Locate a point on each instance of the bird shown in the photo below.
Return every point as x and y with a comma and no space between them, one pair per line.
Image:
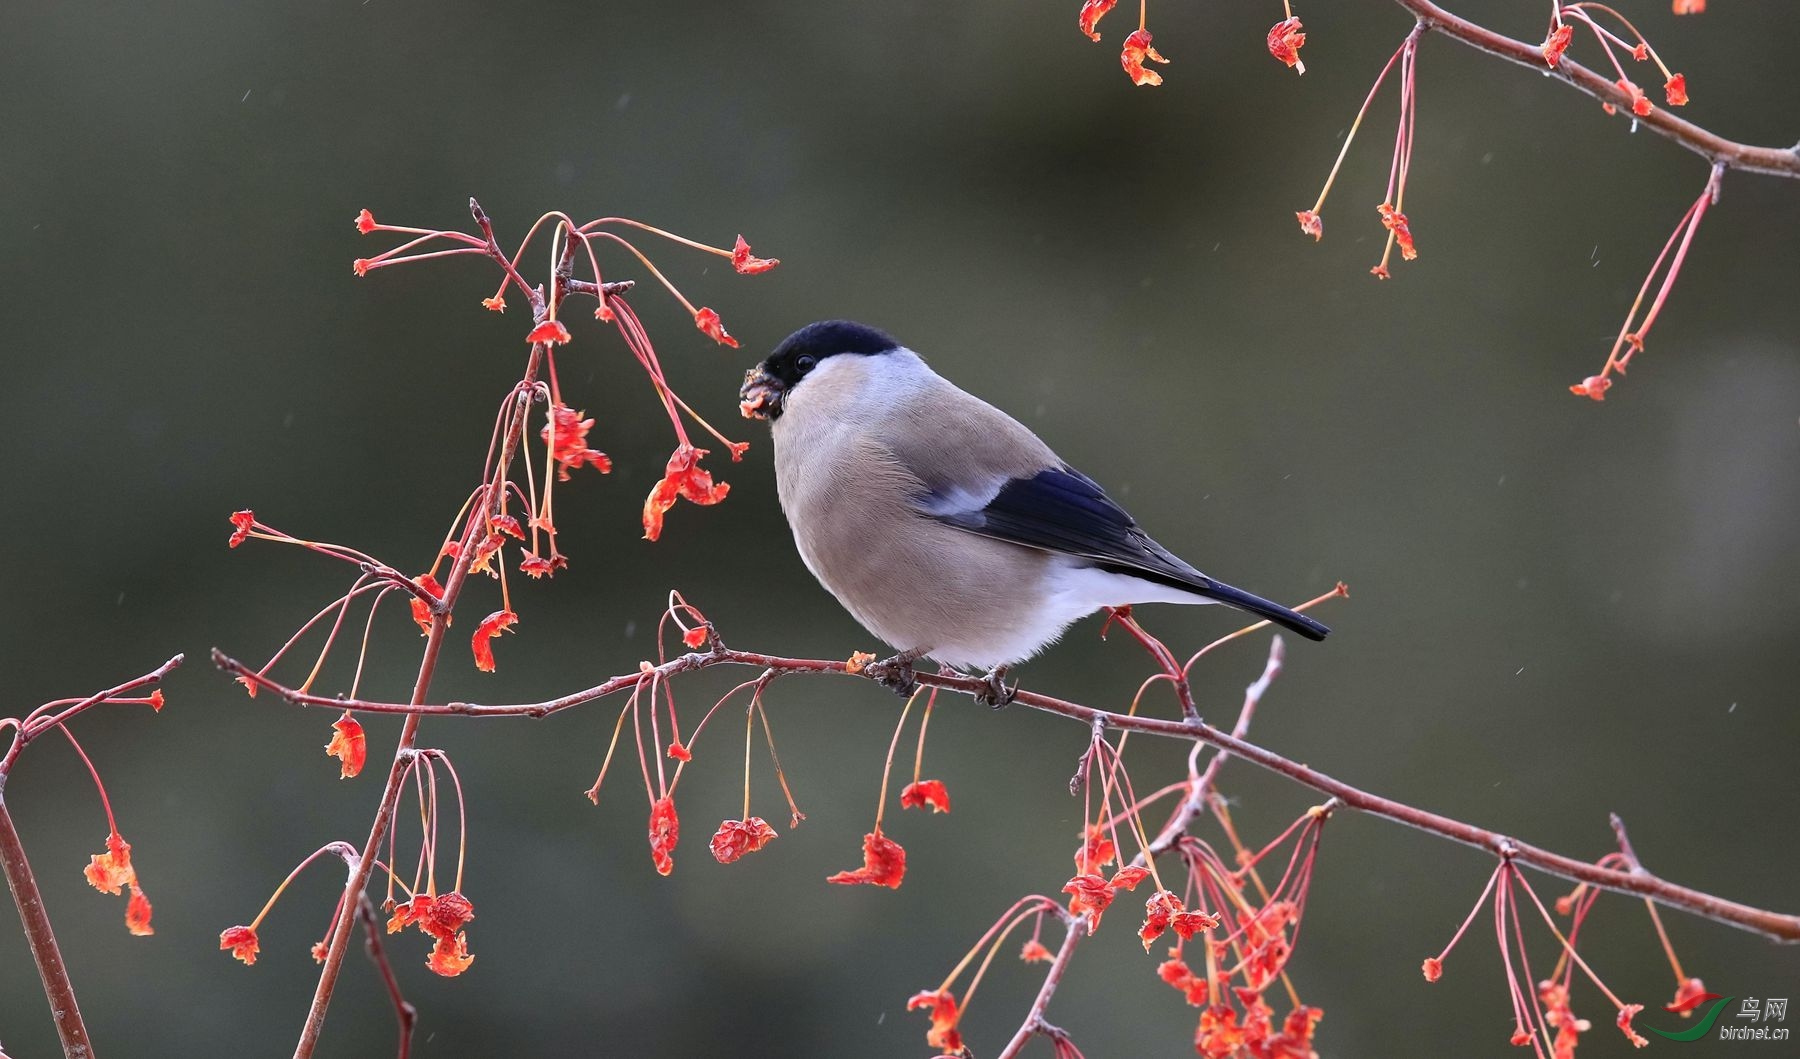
946,527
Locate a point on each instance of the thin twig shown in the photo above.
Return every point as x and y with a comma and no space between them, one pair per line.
1772,161
404,1013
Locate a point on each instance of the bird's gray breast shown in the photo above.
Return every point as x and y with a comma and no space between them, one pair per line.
912,580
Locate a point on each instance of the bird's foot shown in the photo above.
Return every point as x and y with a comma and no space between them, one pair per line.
896,674
997,692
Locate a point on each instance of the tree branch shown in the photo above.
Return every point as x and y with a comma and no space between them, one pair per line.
1200,785
57,987
19,878
1779,926
1771,161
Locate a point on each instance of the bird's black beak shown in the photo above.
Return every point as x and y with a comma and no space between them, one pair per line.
761,395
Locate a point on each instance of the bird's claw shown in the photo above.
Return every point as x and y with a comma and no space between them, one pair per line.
996,692
895,674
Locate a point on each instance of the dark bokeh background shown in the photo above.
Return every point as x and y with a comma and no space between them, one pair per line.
1560,608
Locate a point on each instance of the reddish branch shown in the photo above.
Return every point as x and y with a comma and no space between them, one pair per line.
404,1013
1200,787
1773,161
30,901
440,619
1775,925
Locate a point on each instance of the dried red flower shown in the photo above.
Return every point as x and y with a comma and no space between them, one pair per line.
566,434
1219,1035
550,331
1088,896
1640,104
420,612
444,916
1164,911
536,566
1557,43
923,793
1379,272
681,478
942,1035
482,642
111,872
1295,1039
1092,11
1688,996
495,304
1096,852
241,942
1285,40
137,913
695,637
406,913
1395,221
365,222
320,950
734,838
450,957
241,522
1689,7
748,264
361,266
348,745
1624,1023
1311,224
1594,386
1182,978
1158,910
1128,877
1554,996
884,864
1034,951
1137,49
1432,968
1675,90
680,753
712,327
665,832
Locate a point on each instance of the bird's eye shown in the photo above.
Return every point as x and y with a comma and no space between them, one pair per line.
806,363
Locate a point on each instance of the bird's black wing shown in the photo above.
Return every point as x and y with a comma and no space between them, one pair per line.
1062,510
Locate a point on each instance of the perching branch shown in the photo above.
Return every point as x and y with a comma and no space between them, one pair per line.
1779,926
1771,161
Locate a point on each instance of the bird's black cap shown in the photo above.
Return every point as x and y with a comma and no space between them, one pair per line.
826,338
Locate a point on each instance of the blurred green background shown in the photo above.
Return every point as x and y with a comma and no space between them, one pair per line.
1560,609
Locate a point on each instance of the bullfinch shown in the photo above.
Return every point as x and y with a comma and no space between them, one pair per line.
942,524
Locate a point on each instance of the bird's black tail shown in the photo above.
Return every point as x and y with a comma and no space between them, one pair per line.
1288,619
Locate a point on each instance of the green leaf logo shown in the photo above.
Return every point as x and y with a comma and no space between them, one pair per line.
1699,1029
